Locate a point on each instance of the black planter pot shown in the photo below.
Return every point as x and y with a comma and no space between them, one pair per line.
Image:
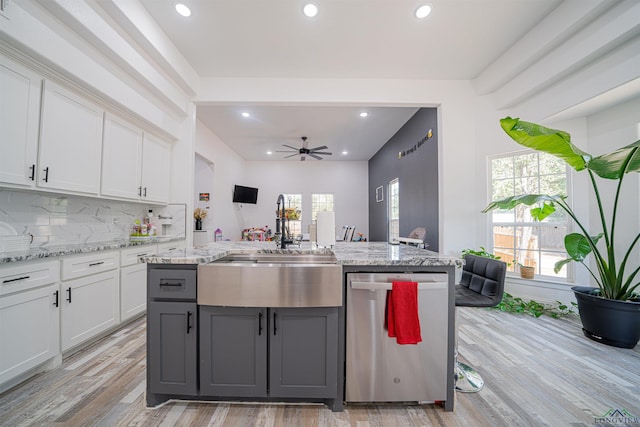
198,224
611,322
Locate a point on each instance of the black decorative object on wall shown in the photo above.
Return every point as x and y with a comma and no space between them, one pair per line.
415,146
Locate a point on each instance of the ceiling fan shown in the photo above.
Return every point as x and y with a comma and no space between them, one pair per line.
304,151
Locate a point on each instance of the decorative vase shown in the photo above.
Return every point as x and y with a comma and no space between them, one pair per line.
198,224
612,322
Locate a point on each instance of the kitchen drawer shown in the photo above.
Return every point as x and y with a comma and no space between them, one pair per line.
130,256
174,284
84,265
164,247
17,277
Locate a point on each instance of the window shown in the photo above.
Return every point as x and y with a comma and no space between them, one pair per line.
293,209
321,203
516,236
393,204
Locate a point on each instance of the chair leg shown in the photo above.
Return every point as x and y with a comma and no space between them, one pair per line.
467,379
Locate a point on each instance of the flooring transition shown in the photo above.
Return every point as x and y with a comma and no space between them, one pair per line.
537,372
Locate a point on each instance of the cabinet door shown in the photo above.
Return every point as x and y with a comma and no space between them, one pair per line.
172,348
133,291
29,330
156,169
70,142
19,121
233,351
303,352
90,305
121,159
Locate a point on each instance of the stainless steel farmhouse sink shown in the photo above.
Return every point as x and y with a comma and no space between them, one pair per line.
271,280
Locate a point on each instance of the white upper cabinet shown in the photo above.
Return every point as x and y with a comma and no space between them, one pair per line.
70,142
121,159
19,119
135,165
156,169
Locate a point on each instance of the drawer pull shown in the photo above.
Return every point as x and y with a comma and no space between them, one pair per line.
93,264
189,326
69,293
16,279
55,302
259,323
170,284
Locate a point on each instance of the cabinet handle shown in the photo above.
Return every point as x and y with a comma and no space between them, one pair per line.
140,191
145,191
170,284
259,323
46,174
189,321
33,172
16,279
93,264
55,301
69,294
275,316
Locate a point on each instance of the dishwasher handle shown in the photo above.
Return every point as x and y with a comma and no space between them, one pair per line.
387,286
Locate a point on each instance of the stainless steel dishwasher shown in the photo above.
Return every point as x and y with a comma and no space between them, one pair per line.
377,368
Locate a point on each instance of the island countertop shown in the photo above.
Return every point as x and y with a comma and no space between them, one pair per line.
354,253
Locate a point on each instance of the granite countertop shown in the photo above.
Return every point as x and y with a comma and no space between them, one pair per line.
354,253
82,248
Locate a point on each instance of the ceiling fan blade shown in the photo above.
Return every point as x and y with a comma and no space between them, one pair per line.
288,146
318,148
287,151
322,153
294,154
315,157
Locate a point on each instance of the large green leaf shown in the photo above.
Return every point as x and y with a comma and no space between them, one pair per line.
551,141
526,199
577,245
612,165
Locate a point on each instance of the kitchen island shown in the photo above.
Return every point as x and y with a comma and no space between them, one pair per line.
199,351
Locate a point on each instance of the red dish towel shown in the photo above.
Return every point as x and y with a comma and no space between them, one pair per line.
402,318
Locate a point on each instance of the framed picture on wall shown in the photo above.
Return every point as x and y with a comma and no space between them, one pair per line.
379,194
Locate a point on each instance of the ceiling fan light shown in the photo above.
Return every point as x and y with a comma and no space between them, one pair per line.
245,114
364,114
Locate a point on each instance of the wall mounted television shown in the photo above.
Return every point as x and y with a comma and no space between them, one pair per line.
242,194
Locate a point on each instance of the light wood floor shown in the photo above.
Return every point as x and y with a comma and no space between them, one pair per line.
538,372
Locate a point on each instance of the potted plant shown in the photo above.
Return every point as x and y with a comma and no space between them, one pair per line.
610,312
526,271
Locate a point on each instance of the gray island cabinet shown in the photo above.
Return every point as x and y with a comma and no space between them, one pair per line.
206,351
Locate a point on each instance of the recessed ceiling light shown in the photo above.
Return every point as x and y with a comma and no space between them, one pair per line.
345,152
423,11
310,10
183,10
269,152
364,114
245,114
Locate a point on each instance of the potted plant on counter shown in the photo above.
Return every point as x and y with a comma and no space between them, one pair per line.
610,312
199,214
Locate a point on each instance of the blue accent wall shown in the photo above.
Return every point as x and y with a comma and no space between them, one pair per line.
417,172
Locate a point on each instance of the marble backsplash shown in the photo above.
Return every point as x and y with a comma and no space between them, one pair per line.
55,219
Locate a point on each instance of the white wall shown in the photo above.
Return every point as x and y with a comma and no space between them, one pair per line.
228,169
348,181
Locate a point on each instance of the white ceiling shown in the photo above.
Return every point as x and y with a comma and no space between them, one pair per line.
347,39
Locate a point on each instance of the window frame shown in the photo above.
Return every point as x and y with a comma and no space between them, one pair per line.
511,270
390,199
314,204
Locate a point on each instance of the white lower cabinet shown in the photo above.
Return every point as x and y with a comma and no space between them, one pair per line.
29,317
133,291
90,305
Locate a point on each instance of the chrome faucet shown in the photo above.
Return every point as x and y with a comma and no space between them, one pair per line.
280,222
